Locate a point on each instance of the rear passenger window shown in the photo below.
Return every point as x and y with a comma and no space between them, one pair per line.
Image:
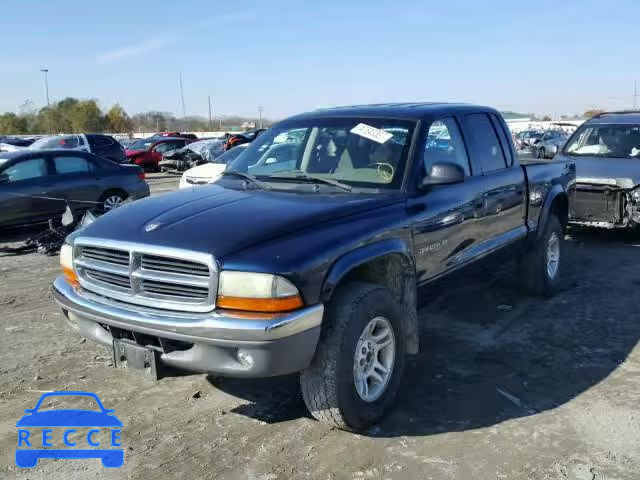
486,141
72,165
444,144
505,139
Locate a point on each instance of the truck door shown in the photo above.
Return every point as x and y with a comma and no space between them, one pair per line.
445,218
504,187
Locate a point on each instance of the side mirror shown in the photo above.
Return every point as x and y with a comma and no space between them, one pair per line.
271,160
445,173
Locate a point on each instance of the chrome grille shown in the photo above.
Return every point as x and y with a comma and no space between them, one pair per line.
170,289
172,265
106,255
157,277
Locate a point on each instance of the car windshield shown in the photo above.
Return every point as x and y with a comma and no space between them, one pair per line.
66,402
143,144
620,141
66,141
360,152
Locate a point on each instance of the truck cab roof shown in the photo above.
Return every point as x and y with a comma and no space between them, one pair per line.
409,110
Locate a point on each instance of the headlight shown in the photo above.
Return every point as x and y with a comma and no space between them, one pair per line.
66,262
256,292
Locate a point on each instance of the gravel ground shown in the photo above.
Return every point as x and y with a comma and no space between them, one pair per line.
506,387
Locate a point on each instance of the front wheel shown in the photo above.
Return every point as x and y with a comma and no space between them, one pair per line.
356,371
111,200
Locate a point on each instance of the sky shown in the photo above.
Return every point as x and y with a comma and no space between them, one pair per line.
289,56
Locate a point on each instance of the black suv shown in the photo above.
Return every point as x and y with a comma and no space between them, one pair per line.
107,147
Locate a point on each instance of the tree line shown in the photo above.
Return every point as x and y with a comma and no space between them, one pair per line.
73,115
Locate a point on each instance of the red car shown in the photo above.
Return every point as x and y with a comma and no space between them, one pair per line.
147,152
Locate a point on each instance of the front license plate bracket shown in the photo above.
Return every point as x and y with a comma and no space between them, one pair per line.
139,359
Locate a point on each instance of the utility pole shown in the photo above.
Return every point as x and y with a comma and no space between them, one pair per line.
260,116
635,94
210,124
184,111
46,86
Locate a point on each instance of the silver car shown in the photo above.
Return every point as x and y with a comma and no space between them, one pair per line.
550,143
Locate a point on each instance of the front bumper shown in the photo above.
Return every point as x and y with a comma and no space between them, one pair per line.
213,342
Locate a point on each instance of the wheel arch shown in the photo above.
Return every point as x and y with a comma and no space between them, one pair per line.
556,203
388,263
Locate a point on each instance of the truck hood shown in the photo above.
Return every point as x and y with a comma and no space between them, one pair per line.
619,172
218,220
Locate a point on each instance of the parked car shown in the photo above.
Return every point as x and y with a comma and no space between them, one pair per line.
606,151
242,138
549,144
211,171
192,155
147,152
314,267
13,144
35,185
527,138
101,145
190,136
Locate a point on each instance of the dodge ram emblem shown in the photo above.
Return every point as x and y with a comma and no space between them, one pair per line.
150,227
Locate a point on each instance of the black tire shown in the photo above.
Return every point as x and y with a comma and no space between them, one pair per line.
328,385
534,274
111,194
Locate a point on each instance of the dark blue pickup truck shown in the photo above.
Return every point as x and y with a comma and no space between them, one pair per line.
307,255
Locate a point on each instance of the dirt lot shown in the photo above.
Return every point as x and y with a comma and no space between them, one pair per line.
506,387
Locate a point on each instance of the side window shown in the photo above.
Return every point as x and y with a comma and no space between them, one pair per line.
445,144
72,165
102,141
486,141
27,169
507,143
165,147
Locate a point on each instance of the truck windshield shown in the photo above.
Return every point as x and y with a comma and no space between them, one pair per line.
620,141
360,152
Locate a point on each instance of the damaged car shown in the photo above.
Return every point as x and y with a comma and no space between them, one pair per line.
606,151
192,155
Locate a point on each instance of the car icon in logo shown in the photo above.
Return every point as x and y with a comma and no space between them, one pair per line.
67,419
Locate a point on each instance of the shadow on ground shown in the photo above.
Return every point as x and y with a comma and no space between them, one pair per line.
490,353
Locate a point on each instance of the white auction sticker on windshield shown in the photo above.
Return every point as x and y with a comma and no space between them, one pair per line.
372,133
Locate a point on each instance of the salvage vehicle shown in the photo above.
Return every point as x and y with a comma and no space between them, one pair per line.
36,186
147,152
211,171
101,145
606,151
192,155
314,267
242,138
549,144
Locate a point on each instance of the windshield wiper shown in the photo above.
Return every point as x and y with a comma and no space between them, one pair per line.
311,179
247,176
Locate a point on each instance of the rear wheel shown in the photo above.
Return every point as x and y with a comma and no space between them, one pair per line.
112,199
356,371
540,267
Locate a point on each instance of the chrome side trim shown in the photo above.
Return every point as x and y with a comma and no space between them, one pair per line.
212,327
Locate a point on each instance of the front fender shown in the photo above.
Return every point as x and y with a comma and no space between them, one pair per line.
554,192
355,258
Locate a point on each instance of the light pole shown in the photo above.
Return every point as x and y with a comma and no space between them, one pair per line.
46,86
260,117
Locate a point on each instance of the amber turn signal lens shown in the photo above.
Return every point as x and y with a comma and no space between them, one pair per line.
70,276
284,304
